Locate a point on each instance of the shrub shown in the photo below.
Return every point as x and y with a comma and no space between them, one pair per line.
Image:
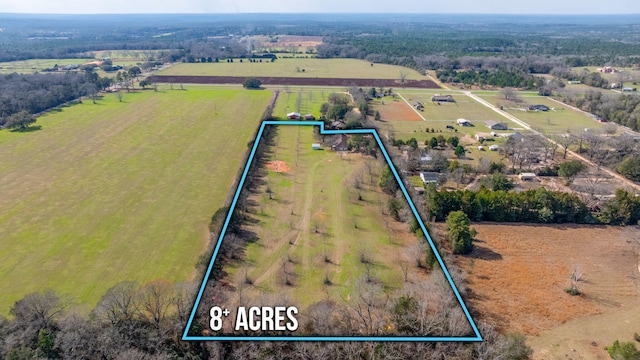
459,232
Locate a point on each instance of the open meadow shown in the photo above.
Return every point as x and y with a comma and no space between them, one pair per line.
118,191
518,274
300,67
303,100
557,120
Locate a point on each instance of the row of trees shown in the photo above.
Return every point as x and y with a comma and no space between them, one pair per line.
531,206
499,78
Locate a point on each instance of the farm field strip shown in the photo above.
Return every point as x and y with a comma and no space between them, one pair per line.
313,67
118,191
314,212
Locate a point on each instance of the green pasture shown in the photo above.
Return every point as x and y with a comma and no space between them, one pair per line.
313,67
118,191
555,121
309,102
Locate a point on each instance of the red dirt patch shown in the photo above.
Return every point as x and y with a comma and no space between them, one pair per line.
421,84
278,166
397,110
518,273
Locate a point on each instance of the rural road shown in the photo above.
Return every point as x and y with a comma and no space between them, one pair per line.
570,152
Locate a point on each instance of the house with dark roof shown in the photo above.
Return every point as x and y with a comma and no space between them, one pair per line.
429,177
442,98
538,107
494,125
341,144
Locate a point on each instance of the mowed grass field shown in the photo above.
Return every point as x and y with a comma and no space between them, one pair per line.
313,67
313,212
555,121
118,191
303,100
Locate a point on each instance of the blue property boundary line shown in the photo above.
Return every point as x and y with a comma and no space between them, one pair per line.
186,336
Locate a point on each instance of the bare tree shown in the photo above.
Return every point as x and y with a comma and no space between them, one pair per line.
565,140
155,300
38,310
403,77
510,94
120,303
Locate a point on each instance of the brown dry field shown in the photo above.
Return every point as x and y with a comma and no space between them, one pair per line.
517,274
397,110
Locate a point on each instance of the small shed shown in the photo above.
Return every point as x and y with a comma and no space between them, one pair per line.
309,117
293,116
426,158
481,148
315,146
494,125
527,176
494,147
429,177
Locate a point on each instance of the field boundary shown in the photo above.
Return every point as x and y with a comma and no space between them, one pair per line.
373,132
294,81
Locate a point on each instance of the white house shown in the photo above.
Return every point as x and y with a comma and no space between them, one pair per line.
293,116
494,147
463,122
527,176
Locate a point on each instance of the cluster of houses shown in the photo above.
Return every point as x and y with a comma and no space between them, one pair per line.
608,70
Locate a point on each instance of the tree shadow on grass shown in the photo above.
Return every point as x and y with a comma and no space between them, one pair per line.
483,253
28,129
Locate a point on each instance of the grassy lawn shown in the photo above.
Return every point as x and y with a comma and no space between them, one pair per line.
322,68
555,121
118,191
310,101
319,192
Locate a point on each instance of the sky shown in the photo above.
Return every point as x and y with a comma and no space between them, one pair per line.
322,6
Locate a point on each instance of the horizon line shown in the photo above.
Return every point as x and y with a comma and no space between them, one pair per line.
324,13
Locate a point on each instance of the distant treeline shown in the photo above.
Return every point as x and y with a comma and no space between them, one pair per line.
35,93
500,78
532,206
